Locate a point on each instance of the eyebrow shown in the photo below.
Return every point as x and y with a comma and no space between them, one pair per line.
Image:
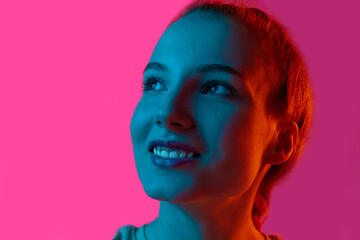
219,68
214,67
156,66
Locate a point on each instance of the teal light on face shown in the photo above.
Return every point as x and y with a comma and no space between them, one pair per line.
196,93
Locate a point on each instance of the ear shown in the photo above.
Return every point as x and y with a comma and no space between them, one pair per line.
285,139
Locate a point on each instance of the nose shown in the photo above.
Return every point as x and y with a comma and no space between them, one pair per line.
174,120
176,112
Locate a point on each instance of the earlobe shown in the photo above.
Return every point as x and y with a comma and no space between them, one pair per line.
285,141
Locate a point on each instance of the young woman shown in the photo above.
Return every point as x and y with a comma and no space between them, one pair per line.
224,115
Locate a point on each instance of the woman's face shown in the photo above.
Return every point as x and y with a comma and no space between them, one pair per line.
201,89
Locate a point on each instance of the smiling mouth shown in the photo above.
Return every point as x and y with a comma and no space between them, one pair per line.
172,157
172,154
166,152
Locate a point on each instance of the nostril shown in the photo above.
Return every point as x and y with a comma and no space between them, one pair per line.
177,124
159,123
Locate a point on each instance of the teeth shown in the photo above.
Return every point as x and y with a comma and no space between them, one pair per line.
168,153
173,154
164,154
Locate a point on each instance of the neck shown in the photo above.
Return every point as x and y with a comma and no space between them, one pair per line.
222,218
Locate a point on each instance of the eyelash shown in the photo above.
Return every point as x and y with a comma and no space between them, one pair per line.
212,83
146,86
149,81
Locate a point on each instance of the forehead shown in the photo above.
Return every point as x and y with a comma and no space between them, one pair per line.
205,37
201,38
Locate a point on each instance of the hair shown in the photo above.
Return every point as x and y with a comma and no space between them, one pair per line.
291,97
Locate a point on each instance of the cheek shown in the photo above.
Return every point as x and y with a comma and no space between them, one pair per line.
242,143
230,166
242,157
212,119
140,126
140,123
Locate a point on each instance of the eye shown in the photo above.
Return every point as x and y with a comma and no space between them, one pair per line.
218,88
153,84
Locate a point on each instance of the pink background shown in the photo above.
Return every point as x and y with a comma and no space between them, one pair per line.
70,74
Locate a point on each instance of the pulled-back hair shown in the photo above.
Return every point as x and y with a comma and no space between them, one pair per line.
291,94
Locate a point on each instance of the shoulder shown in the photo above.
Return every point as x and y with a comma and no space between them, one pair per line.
125,233
130,232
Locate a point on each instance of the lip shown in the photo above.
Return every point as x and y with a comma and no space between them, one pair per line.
172,144
172,162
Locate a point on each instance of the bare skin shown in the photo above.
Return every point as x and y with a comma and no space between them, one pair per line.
181,221
229,126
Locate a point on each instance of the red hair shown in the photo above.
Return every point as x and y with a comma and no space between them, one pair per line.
291,97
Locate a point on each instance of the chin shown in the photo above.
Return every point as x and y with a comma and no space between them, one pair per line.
169,192
159,194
